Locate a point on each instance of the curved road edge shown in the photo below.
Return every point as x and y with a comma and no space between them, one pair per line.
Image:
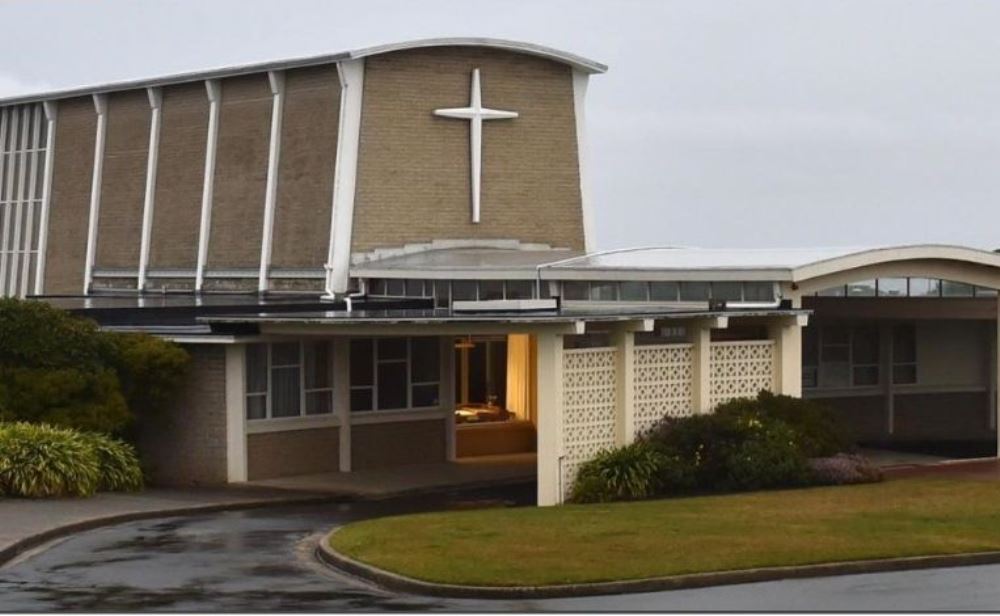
401,583
13,550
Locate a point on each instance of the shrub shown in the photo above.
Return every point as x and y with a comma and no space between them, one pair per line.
817,432
118,465
60,369
843,469
767,457
41,461
625,473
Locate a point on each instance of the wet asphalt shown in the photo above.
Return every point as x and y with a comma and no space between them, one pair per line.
262,560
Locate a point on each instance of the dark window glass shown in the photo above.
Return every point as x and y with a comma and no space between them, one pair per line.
490,289
633,291
575,290
256,368
285,395
361,399
319,402
285,354
892,287
904,374
391,348
728,291
866,375
392,385
376,286
864,288
663,291
955,289
426,395
904,344
520,289
694,291
256,407
426,360
865,342
319,368
603,291
414,288
810,346
361,362
395,288
463,290
442,296
758,291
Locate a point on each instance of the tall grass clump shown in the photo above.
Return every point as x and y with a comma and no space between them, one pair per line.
118,464
39,461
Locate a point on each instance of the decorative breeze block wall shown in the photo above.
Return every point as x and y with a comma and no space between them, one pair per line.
740,369
663,384
589,401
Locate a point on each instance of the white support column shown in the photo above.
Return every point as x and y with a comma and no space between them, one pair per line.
156,107
51,113
13,124
214,92
996,373
550,418
448,394
991,352
342,399
28,242
276,79
101,107
580,80
701,356
236,429
623,339
786,332
352,81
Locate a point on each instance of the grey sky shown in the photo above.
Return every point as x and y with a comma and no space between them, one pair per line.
724,123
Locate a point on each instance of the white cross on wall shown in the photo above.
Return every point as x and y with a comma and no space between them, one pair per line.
475,113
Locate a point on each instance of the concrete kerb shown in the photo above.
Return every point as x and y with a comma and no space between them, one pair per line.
400,583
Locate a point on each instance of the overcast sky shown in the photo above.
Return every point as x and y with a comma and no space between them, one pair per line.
723,123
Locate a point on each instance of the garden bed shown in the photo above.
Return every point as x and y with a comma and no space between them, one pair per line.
639,540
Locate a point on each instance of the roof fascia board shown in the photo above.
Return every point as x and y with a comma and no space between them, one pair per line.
890,255
570,59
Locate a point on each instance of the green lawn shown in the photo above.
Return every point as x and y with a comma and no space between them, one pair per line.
590,543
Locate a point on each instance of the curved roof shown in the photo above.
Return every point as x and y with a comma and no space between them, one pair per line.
564,57
782,264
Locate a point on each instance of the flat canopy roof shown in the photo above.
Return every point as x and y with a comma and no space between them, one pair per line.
564,57
444,316
465,262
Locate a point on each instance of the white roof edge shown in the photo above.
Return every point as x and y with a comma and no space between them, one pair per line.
564,57
888,254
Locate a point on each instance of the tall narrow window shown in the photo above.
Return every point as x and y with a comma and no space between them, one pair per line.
810,357
864,356
904,354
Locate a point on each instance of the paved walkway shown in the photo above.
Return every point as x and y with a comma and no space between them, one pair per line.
37,520
482,470
974,469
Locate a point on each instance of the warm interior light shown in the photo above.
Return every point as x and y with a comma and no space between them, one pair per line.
466,343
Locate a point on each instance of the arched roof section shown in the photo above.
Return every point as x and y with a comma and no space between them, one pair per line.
957,263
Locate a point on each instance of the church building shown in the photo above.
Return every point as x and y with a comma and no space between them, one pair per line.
384,257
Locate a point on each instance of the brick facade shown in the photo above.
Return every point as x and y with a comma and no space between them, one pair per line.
76,127
186,445
123,188
179,177
240,173
395,444
413,170
295,452
305,173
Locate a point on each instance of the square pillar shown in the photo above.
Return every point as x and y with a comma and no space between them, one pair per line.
701,358
624,342
787,335
447,394
236,418
342,400
549,383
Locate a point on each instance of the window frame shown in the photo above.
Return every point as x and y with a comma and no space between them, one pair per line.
268,393
410,383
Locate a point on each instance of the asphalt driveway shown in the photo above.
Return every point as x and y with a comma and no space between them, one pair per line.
261,560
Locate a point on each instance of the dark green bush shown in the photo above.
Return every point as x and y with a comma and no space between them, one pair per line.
63,370
118,465
39,461
817,432
767,457
625,473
